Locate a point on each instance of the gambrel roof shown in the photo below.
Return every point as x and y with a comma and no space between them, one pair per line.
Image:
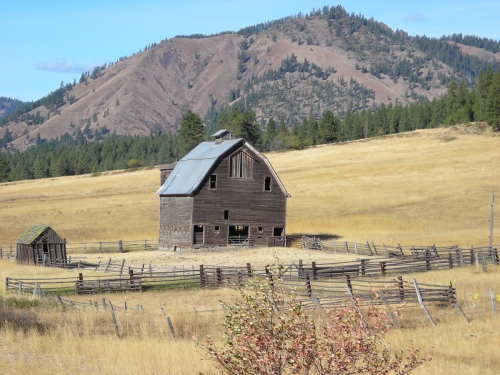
193,169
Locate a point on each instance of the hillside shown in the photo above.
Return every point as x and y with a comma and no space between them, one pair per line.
422,187
287,69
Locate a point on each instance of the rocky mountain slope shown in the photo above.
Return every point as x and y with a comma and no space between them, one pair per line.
288,69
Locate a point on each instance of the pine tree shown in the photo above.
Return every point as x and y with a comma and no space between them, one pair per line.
493,102
190,133
4,169
328,128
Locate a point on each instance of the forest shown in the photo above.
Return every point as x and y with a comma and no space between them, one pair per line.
80,154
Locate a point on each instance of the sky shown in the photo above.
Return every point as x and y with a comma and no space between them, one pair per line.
45,42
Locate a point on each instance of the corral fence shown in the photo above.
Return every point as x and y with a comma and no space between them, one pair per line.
311,293
455,256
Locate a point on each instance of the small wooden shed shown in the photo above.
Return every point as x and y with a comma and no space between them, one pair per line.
39,244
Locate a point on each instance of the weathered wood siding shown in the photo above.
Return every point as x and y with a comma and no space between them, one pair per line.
245,199
48,244
176,218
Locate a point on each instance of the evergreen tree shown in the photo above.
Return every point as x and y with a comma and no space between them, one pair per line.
191,132
328,128
493,102
249,129
270,132
4,169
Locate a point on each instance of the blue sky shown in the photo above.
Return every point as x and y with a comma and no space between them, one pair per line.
45,42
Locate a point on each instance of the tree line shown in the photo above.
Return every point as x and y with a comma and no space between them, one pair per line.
77,155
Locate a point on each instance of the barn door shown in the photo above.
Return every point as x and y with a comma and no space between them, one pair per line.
198,235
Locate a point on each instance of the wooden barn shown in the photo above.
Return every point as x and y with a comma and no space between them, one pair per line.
221,193
41,243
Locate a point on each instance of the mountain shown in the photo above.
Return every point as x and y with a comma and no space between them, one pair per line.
287,69
8,105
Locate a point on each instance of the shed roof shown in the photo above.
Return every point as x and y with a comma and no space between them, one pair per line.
32,234
192,169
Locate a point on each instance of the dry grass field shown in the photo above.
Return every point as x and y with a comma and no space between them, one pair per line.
428,186
431,186
147,347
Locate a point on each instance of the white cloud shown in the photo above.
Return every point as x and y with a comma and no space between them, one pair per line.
64,66
415,17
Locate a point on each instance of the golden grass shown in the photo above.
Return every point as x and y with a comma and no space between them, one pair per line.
427,186
421,187
147,347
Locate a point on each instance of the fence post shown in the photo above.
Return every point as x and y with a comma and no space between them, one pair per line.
386,252
121,269
1,253
301,269
114,319
494,254
346,248
369,248
219,276
150,270
308,286
363,267
20,290
450,260
131,276
355,248
202,276
120,246
427,260
349,285
10,251
100,247
374,248
421,301
471,255
249,270
84,247
401,249
171,326
401,288
145,245
314,271
460,254
382,268
493,304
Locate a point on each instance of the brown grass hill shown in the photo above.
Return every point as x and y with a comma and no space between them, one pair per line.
288,69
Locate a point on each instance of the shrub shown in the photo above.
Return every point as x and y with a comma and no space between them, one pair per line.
267,331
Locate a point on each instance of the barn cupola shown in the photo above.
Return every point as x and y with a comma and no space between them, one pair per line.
221,136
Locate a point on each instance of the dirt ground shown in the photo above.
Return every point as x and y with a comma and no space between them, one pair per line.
257,257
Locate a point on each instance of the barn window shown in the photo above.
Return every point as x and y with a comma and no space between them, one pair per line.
217,228
226,214
241,165
267,184
260,230
213,182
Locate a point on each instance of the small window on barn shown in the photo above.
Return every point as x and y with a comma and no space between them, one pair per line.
226,215
213,182
241,165
267,184
217,228
260,230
